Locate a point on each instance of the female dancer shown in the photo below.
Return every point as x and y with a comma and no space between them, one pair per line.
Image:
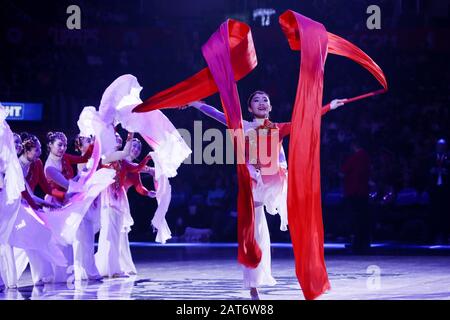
11,186
17,143
130,176
83,245
169,148
269,186
115,215
131,172
33,171
58,170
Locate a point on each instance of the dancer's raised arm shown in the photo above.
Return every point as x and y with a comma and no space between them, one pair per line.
119,154
210,111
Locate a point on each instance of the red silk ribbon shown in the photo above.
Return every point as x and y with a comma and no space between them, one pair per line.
230,54
304,193
218,56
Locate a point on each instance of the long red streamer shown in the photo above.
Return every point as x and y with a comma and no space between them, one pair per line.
217,54
304,197
230,54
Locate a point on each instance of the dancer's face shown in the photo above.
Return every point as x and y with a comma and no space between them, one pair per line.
18,144
136,149
34,153
58,147
85,143
260,106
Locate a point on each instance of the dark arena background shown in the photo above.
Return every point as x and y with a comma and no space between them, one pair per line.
396,247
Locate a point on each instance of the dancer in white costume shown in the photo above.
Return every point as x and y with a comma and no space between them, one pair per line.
130,176
43,235
83,245
58,172
115,216
30,235
36,252
169,151
269,177
169,148
89,185
11,186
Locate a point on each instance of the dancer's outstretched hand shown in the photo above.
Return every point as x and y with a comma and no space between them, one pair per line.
336,103
194,104
197,104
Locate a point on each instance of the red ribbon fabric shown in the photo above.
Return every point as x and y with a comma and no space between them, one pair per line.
304,195
230,55
218,56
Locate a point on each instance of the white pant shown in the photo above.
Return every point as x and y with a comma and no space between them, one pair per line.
126,261
64,274
41,268
261,275
83,251
107,257
8,215
8,273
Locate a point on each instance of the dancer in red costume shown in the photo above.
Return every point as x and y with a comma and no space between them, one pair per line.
116,219
58,167
19,150
131,171
130,176
33,171
59,172
83,245
266,162
169,151
29,235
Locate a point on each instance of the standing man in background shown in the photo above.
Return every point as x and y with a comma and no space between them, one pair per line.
356,171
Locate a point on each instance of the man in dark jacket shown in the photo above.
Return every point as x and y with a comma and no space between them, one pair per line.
439,188
356,171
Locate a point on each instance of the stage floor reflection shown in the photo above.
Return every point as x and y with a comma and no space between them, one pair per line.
208,272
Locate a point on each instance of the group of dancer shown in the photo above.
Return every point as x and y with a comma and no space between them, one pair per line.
77,206
54,179
84,194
